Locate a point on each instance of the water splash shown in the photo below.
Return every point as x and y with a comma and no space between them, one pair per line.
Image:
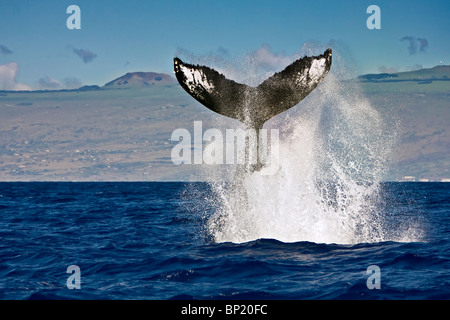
334,150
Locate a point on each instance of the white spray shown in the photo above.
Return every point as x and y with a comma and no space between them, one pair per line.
334,149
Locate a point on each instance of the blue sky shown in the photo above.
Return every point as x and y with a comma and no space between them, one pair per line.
37,50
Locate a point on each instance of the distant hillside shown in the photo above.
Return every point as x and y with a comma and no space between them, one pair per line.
103,133
438,73
419,100
423,81
141,79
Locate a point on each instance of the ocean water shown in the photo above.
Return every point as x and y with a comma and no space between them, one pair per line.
155,240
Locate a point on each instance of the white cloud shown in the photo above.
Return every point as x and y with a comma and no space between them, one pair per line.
265,58
72,83
385,69
48,83
251,67
8,73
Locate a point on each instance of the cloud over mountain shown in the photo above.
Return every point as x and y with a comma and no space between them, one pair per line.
47,83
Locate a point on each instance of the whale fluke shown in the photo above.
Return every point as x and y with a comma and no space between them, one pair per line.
253,105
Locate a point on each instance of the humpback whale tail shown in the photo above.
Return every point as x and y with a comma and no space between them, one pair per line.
253,105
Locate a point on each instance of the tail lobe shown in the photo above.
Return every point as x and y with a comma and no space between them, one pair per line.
250,105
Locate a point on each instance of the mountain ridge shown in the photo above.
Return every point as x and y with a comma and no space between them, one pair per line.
107,133
140,78
148,79
437,73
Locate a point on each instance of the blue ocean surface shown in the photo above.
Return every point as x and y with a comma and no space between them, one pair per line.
145,240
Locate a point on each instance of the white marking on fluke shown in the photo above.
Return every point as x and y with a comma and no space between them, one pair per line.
196,77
